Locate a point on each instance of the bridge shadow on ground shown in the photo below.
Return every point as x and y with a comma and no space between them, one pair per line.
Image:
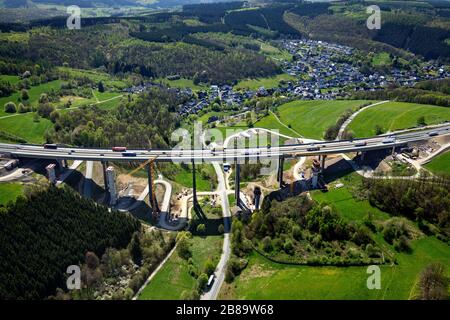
337,170
78,182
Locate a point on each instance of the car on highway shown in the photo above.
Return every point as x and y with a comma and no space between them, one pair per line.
390,139
433,133
313,147
50,146
128,154
119,149
361,144
249,152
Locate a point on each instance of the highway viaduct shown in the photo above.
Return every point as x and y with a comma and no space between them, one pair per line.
223,155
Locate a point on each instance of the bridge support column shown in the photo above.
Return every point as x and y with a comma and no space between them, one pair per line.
60,164
151,192
280,171
322,162
51,173
111,178
194,186
363,153
237,180
105,178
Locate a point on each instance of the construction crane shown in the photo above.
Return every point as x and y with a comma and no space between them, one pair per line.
150,162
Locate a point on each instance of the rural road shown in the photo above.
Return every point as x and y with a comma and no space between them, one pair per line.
226,249
350,119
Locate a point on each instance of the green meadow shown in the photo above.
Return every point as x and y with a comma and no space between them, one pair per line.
270,82
440,164
264,279
308,118
174,278
9,192
393,116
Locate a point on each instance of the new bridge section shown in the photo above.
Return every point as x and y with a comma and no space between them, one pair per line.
222,155
218,155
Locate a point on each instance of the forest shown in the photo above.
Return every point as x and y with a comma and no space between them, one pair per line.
51,229
142,122
425,200
301,231
434,92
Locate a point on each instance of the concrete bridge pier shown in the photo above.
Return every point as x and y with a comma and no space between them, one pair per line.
51,173
151,195
237,180
111,178
322,162
62,164
280,171
363,153
105,178
194,187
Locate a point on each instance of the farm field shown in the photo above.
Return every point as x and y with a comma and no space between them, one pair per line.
381,59
34,93
263,279
181,83
23,125
349,208
393,116
309,118
440,164
270,82
184,177
9,78
204,118
174,278
96,76
9,192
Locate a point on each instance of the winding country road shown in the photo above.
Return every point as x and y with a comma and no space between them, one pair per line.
353,116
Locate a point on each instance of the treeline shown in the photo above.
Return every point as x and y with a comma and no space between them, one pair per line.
440,85
270,18
177,32
426,41
403,29
110,47
311,9
211,12
144,122
424,200
52,229
301,231
186,60
405,94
